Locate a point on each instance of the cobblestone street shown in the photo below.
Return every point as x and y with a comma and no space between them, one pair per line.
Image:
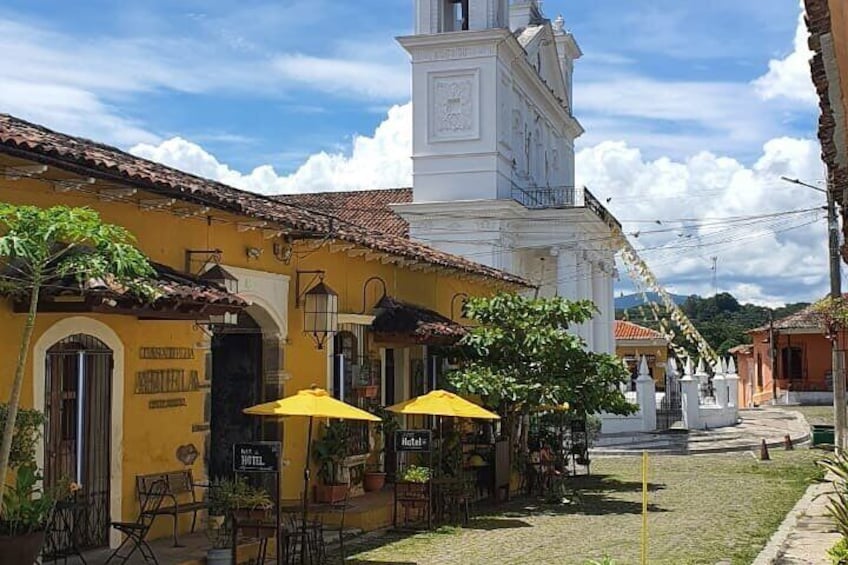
703,510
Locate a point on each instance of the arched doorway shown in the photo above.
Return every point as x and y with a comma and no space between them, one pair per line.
241,357
77,408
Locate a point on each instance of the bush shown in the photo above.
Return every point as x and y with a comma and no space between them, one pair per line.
28,428
838,507
839,553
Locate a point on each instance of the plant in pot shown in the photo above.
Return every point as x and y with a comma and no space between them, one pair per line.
228,498
375,478
413,482
26,507
330,451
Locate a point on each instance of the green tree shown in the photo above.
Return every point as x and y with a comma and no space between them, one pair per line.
521,356
43,247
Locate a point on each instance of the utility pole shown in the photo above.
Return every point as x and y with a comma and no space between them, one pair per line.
773,358
837,360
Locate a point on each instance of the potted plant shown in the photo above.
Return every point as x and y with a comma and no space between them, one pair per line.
26,506
375,478
413,482
228,499
330,451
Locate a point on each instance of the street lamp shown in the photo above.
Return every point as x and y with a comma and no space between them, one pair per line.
320,312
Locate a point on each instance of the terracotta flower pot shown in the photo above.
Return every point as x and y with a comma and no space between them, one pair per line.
23,548
373,481
330,493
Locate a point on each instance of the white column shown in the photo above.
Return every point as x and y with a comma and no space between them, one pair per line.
689,392
720,384
584,292
646,396
610,292
566,273
599,340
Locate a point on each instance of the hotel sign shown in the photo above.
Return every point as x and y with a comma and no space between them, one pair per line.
413,441
256,457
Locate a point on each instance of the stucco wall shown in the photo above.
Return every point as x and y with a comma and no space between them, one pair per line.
151,437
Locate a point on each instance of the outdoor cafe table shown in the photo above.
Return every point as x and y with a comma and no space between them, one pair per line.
289,530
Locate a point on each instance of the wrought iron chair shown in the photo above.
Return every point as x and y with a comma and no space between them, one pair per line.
339,508
136,532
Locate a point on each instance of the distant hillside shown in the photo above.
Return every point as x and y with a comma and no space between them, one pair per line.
720,319
632,300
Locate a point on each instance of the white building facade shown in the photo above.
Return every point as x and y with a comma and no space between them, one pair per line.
493,151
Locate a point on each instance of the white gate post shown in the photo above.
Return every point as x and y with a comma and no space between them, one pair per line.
702,377
720,383
646,396
691,402
732,384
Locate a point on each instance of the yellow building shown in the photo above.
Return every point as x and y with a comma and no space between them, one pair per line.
131,388
633,341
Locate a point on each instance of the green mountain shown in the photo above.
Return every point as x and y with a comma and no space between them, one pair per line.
721,319
626,301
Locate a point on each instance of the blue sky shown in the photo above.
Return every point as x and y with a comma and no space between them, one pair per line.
682,101
220,73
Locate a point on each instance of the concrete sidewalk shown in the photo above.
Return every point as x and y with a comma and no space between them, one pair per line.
806,533
770,424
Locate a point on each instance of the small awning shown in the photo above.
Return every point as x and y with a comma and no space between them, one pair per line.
180,296
401,322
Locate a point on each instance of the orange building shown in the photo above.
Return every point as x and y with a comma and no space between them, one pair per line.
797,370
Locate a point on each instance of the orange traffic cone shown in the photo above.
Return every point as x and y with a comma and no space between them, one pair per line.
787,443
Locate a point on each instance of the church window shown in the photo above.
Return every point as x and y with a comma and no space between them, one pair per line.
455,15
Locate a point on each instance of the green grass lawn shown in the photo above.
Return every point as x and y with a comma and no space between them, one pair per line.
702,509
815,414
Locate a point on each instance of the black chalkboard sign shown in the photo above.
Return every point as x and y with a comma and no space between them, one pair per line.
413,441
256,457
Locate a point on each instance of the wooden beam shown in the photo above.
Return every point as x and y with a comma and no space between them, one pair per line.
23,171
68,185
249,226
116,193
156,203
191,212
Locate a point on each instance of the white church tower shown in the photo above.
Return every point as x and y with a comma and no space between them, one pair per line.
493,151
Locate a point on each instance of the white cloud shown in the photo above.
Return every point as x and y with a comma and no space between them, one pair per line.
768,260
367,79
790,77
380,160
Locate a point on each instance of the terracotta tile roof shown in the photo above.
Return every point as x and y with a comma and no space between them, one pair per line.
625,330
26,140
806,319
366,208
744,349
831,120
176,290
403,319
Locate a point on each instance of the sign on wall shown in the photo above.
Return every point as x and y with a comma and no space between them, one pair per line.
256,457
416,441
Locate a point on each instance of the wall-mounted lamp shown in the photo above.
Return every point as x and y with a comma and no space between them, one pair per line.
253,253
365,290
222,277
212,256
320,313
283,250
464,298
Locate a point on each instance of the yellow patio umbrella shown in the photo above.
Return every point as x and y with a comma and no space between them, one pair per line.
442,403
312,403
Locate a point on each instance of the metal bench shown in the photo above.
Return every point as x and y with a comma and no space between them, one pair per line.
180,496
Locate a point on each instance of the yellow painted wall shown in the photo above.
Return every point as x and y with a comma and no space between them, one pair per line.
623,349
152,437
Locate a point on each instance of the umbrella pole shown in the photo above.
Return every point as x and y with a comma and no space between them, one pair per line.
306,491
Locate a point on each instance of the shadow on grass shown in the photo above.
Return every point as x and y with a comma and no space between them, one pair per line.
495,523
607,483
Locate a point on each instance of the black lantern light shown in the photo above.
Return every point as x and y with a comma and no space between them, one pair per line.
320,312
222,277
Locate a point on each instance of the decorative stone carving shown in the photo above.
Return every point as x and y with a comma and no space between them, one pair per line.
454,109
